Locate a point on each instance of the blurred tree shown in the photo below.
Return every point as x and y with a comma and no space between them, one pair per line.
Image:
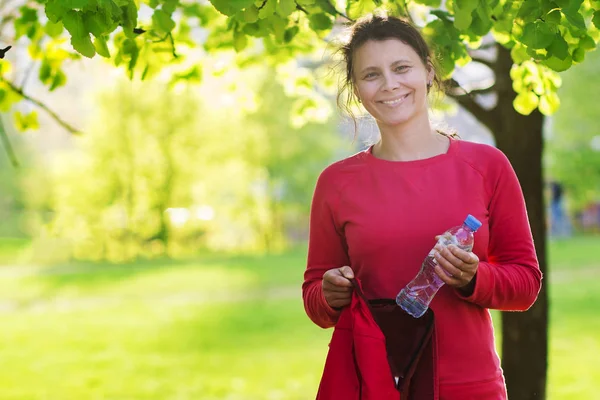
573,152
163,171
532,40
282,145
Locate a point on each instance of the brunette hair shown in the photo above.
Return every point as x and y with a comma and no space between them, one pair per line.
379,28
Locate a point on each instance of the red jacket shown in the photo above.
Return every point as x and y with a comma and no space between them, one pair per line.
359,364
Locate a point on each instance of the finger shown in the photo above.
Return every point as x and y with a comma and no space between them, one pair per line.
347,272
448,267
327,286
339,303
335,278
464,256
445,252
337,297
443,275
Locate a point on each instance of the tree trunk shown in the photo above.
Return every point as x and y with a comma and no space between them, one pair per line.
524,335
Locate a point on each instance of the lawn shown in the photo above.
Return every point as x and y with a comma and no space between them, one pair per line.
221,327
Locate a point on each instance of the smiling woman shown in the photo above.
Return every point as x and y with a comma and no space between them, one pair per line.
375,215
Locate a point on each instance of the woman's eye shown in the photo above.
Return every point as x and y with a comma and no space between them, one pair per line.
370,75
401,68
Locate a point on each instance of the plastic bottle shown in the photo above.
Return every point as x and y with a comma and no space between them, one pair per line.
416,296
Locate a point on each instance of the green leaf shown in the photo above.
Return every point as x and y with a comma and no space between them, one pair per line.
441,14
575,18
549,103
587,43
286,7
131,49
163,21
53,29
78,3
240,41
447,66
170,6
358,8
257,29
80,37
60,79
557,64
55,10
578,55
554,17
251,14
95,23
290,33
25,122
33,30
519,53
596,19
480,26
230,7
530,10
430,3
328,8
320,22
525,102
101,46
537,35
559,47
462,19
130,13
278,25
268,9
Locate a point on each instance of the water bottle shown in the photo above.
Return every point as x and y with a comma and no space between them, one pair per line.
416,296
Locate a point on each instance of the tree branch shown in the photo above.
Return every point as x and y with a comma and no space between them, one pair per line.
7,146
341,14
44,107
468,102
173,45
27,74
299,7
480,60
331,9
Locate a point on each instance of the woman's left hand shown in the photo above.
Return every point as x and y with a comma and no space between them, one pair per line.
457,267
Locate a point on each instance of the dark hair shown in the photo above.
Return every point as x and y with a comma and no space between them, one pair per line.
379,28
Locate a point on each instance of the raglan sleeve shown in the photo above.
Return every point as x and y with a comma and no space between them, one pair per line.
510,279
326,250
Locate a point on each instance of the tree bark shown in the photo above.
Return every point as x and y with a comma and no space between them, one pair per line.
524,335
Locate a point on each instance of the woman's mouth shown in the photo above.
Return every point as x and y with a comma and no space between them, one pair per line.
395,101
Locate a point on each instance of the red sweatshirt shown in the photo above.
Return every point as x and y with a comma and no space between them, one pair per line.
381,217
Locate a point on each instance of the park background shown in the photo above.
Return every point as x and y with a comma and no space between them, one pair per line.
159,252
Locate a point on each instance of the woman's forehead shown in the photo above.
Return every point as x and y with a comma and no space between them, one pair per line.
384,52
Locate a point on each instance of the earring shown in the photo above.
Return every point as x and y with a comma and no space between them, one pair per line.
359,100
428,84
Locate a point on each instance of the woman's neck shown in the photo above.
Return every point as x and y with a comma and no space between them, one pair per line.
414,140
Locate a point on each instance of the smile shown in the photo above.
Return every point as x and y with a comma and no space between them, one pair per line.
395,101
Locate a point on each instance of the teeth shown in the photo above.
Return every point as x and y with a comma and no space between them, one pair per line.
392,102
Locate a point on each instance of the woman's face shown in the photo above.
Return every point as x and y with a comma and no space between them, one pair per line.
391,81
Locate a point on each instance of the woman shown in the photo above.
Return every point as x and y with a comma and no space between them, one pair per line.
375,215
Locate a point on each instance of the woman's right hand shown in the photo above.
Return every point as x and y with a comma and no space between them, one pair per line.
337,287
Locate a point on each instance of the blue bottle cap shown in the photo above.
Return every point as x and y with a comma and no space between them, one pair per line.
472,222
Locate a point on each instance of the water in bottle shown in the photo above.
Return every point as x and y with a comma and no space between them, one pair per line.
416,296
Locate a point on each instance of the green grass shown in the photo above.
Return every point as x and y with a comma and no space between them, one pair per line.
10,248
223,327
